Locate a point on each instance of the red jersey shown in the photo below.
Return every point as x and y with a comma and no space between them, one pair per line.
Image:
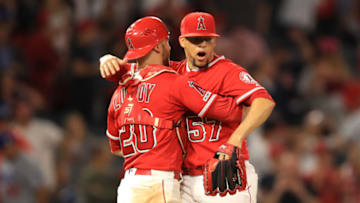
222,77
152,93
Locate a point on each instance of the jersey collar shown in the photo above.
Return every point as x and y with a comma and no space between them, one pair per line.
133,77
213,62
151,71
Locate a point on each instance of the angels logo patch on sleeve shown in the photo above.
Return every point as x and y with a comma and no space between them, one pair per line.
200,90
205,94
246,78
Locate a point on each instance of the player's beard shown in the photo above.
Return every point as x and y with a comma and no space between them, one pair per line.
200,67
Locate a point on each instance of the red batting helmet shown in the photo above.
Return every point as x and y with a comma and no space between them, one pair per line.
198,24
143,35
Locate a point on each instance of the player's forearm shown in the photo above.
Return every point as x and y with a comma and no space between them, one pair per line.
259,112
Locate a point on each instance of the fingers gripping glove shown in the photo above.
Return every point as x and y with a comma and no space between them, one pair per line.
227,175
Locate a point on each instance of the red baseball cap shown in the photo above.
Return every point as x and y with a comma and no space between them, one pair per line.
143,35
198,24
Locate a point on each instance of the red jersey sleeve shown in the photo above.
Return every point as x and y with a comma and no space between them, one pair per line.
241,85
204,103
112,129
119,74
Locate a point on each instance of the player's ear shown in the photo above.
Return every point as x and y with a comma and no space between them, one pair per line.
182,41
157,48
214,41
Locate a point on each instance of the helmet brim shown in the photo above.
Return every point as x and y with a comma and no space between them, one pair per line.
132,54
200,35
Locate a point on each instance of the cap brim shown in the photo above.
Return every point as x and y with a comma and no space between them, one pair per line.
200,35
138,53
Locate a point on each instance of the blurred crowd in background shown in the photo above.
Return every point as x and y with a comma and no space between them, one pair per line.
53,102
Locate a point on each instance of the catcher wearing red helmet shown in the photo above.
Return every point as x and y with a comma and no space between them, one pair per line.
216,160
145,110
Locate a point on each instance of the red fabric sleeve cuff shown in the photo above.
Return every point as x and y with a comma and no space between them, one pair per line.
118,75
258,94
114,145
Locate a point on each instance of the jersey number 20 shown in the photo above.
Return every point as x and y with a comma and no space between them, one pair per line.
137,138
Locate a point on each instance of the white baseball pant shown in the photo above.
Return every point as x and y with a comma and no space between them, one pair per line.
156,186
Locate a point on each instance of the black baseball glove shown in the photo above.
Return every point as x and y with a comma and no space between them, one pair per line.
225,175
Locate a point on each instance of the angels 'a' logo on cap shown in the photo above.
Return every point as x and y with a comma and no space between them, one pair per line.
201,24
131,46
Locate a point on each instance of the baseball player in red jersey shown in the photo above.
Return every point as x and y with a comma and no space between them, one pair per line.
221,76
144,111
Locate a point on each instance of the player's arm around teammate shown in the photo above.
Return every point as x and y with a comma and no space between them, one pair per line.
259,111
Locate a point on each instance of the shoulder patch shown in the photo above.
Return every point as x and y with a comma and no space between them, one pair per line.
200,90
246,78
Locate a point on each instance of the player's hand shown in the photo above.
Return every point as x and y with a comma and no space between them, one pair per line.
225,173
110,64
222,156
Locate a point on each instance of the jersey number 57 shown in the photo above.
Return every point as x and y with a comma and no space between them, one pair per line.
197,129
